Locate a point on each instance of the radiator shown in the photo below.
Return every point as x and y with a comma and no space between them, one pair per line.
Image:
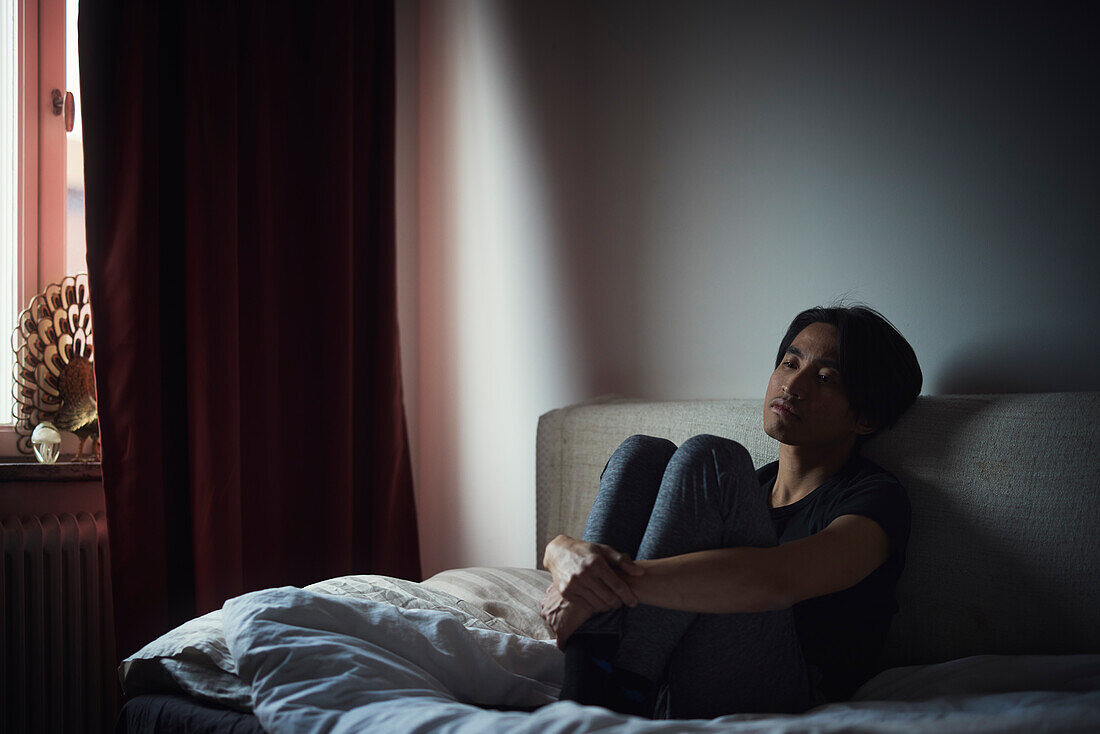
58,670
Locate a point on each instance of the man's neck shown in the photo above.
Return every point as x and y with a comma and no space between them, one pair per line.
803,469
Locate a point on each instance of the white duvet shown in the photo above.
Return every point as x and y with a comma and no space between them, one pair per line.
316,662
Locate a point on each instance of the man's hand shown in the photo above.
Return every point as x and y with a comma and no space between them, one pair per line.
563,617
587,573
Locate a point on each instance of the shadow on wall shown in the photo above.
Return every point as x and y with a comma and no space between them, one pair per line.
690,154
582,74
1021,364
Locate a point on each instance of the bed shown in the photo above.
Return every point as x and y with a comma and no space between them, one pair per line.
997,630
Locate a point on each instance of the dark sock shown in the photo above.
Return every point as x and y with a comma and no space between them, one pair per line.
587,667
635,694
592,679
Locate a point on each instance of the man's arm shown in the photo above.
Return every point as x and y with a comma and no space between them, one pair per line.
746,579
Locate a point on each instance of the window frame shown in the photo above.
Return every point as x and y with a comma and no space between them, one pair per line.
41,205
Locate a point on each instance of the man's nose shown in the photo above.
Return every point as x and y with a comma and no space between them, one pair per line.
797,384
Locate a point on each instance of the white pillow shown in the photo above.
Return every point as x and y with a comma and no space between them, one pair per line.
511,595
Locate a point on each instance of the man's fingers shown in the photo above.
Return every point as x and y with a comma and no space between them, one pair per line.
608,598
596,579
629,566
616,584
588,595
622,560
622,591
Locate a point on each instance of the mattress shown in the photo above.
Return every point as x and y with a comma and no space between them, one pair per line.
159,713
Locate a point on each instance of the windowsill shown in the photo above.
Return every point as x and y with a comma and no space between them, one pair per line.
16,466
27,469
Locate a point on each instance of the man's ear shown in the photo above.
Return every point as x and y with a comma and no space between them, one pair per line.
865,426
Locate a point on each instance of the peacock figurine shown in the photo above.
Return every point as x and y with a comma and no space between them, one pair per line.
54,374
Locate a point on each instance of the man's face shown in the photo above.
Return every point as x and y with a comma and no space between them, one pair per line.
805,404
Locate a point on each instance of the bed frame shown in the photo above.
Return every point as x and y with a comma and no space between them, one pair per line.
1004,556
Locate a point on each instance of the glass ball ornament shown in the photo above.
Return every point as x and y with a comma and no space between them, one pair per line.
46,440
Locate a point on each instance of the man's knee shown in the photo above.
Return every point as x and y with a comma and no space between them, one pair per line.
642,445
641,453
725,453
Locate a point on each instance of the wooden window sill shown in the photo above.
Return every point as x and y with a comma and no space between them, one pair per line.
27,469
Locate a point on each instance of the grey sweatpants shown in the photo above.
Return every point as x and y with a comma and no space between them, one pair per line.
656,501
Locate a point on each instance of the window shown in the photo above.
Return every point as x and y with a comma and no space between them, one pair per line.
9,190
41,168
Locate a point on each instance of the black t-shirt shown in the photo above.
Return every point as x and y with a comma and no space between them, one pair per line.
843,633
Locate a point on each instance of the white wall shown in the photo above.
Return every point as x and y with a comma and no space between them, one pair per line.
637,197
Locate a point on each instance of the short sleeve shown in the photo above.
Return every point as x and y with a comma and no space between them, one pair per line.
882,499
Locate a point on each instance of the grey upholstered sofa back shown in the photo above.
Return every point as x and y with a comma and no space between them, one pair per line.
1004,556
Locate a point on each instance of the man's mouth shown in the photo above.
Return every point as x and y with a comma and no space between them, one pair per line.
780,406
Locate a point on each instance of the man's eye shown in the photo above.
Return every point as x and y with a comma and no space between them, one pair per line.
788,364
823,378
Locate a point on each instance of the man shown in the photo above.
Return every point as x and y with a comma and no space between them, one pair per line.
767,590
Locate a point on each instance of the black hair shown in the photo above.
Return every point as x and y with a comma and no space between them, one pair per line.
878,368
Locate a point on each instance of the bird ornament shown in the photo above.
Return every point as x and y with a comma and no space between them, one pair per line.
54,374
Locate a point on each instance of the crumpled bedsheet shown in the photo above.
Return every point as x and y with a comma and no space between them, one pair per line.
193,659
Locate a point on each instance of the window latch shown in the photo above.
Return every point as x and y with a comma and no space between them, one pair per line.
64,103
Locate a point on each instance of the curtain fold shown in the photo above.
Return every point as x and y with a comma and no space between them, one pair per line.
239,168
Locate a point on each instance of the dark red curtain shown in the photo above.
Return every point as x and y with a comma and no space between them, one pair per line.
239,168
